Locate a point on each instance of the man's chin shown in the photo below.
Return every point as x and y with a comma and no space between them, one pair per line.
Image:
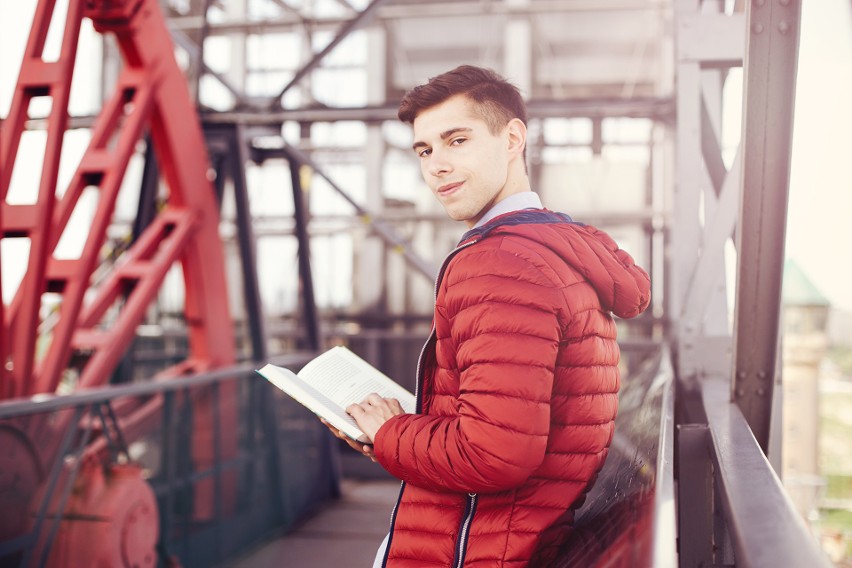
458,216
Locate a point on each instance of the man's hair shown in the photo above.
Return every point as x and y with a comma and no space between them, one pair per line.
495,99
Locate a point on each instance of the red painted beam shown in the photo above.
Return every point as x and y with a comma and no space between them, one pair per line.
37,78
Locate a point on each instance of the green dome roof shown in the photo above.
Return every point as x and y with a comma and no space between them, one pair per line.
798,288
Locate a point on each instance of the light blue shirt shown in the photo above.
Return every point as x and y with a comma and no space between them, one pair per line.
515,202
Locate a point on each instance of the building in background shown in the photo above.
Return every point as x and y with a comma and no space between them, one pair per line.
805,344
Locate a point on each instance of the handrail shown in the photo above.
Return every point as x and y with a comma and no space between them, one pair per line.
765,529
50,402
664,549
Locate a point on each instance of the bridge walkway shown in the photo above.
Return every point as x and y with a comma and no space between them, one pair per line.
343,534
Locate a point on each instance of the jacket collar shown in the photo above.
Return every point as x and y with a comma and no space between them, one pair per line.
515,202
522,217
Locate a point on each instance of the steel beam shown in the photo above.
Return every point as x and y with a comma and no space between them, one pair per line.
295,22
196,57
655,108
769,81
345,30
706,194
379,227
706,277
310,313
714,39
228,148
661,109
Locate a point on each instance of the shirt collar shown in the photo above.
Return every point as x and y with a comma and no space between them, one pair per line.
515,202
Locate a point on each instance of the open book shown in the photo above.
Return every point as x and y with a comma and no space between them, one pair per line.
334,380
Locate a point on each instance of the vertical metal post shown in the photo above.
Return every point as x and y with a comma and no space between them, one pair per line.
769,78
275,471
228,150
708,42
309,306
168,453
695,494
186,466
245,235
218,483
69,477
370,270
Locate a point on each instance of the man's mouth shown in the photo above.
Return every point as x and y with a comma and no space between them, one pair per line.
448,188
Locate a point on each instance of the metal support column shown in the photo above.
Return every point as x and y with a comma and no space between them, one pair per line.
770,77
370,270
313,339
228,149
706,193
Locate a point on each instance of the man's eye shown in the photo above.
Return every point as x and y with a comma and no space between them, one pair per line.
424,152
457,141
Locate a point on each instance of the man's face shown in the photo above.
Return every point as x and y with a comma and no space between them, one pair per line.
464,164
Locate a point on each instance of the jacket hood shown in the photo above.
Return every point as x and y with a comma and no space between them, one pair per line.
622,287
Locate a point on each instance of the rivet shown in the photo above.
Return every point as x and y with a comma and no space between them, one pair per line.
741,374
757,28
761,391
783,27
740,391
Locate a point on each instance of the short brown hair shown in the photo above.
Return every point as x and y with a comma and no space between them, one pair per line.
495,99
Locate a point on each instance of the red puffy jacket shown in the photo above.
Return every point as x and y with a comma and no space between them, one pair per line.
517,394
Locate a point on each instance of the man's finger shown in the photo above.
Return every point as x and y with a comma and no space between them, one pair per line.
373,399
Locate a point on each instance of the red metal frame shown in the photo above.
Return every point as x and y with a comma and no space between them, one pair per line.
151,95
37,78
151,92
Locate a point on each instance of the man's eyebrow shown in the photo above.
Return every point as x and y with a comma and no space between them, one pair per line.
444,135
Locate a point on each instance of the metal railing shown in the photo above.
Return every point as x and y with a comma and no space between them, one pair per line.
82,446
765,529
733,509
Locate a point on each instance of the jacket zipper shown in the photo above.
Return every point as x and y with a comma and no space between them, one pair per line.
464,531
417,381
392,523
471,504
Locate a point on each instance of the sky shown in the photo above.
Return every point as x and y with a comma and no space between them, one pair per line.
819,230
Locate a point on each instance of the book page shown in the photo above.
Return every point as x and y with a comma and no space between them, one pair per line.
345,378
312,399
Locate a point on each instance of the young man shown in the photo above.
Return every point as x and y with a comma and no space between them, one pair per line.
518,381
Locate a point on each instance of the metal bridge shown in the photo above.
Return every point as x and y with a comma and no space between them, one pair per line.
133,434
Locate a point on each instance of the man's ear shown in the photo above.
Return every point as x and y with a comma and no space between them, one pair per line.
517,136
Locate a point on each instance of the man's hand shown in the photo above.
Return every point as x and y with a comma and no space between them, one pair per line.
369,414
372,412
365,449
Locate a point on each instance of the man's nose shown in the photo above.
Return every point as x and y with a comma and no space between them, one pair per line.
438,164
